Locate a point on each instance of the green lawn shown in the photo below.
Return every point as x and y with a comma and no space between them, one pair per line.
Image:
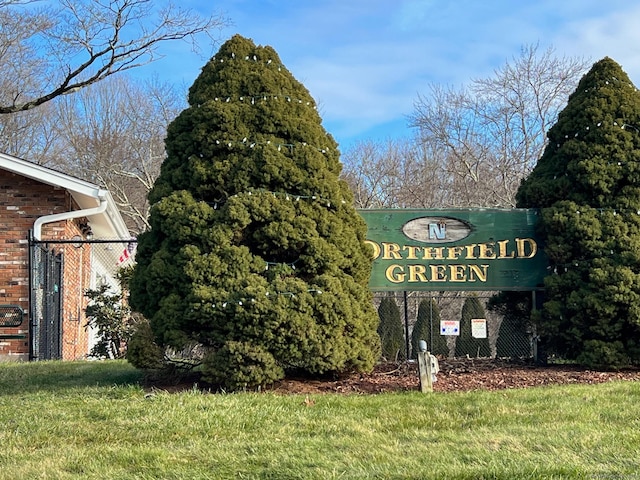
93,420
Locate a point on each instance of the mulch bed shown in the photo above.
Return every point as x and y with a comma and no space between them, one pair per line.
454,376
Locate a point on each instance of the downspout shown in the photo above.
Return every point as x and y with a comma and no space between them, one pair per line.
37,236
57,217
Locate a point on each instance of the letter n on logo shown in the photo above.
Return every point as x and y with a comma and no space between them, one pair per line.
437,231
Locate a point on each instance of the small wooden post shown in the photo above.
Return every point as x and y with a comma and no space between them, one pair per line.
424,368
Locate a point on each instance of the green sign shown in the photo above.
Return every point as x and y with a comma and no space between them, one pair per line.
456,250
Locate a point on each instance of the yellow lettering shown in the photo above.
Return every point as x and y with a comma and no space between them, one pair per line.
434,253
393,276
457,273
502,250
438,273
453,253
470,255
522,243
487,251
391,251
417,273
413,251
478,272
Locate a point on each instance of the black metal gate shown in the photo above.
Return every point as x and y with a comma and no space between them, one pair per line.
45,302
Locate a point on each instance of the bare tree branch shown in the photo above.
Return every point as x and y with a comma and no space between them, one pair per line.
75,43
114,132
494,130
473,145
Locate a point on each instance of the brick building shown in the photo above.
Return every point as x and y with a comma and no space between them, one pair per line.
47,262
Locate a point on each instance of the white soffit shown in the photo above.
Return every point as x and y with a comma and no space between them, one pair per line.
86,194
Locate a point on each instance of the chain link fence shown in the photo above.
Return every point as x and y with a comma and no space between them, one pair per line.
459,325
455,325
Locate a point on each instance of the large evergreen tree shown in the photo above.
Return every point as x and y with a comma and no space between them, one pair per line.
255,250
427,328
390,330
466,343
587,183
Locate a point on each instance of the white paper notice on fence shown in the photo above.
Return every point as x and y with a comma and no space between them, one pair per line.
449,327
479,327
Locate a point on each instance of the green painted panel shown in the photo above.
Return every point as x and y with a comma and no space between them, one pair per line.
455,249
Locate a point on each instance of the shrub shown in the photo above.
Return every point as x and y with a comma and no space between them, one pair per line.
241,366
390,330
143,352
427,328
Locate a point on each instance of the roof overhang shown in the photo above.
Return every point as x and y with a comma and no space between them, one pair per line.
108,224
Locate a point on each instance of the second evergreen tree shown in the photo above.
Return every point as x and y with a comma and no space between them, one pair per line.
255,252
587,184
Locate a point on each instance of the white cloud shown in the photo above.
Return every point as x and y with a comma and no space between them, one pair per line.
367,84
365,61
615,35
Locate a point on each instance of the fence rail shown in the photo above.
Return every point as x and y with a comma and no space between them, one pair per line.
62,271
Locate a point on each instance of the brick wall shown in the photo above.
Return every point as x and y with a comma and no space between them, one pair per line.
22,201
76,275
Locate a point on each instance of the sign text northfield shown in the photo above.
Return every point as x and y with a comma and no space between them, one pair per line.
457,250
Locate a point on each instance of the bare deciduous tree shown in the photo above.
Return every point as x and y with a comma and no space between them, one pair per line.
114,132
49,49
32,135
400,174
490,135
372,170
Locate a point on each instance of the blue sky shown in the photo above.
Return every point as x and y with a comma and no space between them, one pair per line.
366,61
